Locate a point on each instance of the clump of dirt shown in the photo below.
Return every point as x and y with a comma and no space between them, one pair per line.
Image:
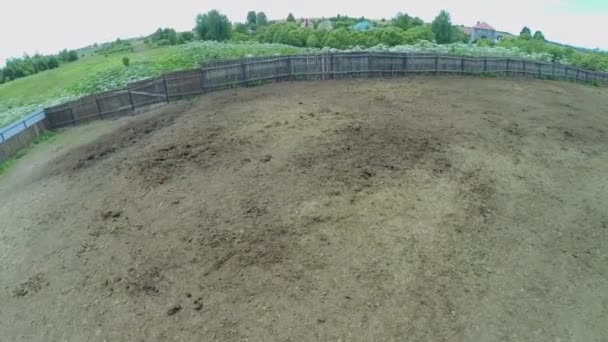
34,284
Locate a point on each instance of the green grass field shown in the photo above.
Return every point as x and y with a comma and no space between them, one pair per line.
97,72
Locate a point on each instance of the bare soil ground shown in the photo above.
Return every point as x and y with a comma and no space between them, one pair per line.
422,209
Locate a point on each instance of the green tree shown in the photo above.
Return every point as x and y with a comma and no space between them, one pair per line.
53,62
405,22
261,19
525,33
241,28
459,36
442,27
252,18
290,18
539,35
213,26
126,61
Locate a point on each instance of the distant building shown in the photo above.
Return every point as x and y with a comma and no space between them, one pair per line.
307,23
363,26
483,30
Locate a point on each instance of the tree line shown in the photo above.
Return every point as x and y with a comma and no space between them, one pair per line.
29,65
337,32
340,32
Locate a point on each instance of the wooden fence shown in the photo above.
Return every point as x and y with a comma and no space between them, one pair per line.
245,72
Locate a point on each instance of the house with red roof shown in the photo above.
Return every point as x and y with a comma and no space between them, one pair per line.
483,30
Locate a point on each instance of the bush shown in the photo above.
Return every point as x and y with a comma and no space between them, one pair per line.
339,39
118,46
485,42
417,34
313,41
391,36
126,61
240,37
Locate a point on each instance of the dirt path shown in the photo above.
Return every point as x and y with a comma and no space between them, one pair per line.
454,209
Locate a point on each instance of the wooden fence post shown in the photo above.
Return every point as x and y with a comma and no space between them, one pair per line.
461,65
577,71
99,109
539,69
333,66
244,74
202,80
289,77
524,67
166,89
2,136
436,65
72,115
485,65
131,101
508,66
369,65
405,66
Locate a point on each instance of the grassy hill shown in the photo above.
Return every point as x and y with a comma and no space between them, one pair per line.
95,72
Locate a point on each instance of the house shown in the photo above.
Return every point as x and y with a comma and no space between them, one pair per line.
483,30
307,23
363,26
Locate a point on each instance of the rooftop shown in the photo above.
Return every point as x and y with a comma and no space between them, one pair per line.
484,26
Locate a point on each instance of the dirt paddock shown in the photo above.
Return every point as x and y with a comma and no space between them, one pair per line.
422,209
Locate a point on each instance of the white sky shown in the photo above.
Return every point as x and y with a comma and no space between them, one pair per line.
47,26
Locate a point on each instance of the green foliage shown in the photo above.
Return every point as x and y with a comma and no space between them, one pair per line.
484,42
261,19
240,28
290,18
285,33
27,65
163,37
459,36
525,33
418,33
405,22
538,35
339,39
313,41
343,22
390,36
213,26
187,36
252,18
117,46
442,27
126,61
66,55
241,37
